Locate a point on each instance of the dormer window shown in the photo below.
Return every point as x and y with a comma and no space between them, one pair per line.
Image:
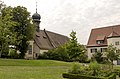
37,34
100,39
44,37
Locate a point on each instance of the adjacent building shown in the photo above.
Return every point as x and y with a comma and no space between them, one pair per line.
101,38
43,40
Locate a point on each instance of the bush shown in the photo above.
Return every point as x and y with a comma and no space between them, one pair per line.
77,69
85,61
55,54
93,69
45,55
79,76
13,54
117,71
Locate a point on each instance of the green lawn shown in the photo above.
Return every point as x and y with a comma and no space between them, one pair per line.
32,69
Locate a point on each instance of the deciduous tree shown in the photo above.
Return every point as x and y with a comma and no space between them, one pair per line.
6,35
24,29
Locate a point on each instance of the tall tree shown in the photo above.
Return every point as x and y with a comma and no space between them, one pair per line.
74,49
24,29
6,36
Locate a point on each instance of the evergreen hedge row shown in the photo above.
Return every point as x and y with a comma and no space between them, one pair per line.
78,76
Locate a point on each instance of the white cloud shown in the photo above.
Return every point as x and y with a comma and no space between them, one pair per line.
63,16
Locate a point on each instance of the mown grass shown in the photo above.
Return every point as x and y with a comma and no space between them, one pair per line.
32,69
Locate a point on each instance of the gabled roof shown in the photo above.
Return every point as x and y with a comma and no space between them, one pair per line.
104,31
49,40
113,34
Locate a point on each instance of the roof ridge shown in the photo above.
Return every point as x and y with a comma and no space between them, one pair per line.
111,26
55,33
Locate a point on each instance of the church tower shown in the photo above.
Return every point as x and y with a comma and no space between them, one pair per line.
36,19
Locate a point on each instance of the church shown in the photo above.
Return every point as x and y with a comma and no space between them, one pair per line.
43,40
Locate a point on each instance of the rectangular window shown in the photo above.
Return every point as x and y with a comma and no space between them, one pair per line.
30,49
117,43
100,41
103,49
93,50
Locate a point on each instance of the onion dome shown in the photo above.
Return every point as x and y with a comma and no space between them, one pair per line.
36,16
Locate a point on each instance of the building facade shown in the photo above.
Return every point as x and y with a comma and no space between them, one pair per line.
43,40
101,38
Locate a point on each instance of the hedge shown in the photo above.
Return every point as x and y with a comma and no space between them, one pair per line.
78,76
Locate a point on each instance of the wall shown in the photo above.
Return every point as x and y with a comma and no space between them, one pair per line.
89,51
27,55
42,51
113,40
35,51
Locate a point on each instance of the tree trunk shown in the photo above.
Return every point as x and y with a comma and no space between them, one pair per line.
112,64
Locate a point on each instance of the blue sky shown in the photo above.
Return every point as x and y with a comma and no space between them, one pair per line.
63,16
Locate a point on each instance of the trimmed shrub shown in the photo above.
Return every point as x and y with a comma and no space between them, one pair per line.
78,76
112,76
117,71
93,69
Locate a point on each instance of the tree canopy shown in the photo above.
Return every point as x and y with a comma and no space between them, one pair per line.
74,49
112,54
6,35
24,29
15,28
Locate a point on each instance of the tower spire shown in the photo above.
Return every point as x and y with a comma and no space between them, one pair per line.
36,7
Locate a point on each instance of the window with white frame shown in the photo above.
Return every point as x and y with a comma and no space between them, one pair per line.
30,49
103,49
93,50
117,43
100,41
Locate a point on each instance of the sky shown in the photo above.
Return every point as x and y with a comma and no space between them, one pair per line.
63,16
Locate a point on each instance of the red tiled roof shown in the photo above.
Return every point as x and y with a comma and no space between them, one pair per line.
101,37
104,31
113,34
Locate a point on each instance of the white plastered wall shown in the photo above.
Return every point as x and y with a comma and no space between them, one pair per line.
113,40
27,55
91,54
42,51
